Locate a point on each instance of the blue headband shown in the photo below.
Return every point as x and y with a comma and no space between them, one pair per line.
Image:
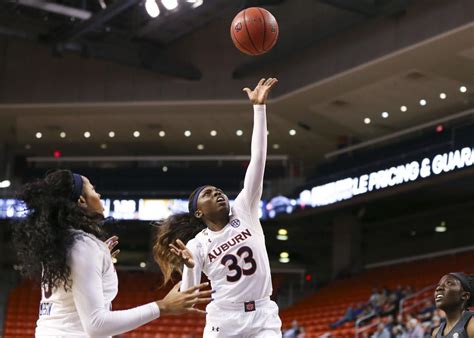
194,203
77,185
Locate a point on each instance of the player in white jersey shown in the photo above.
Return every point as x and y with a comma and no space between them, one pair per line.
228,245
59,240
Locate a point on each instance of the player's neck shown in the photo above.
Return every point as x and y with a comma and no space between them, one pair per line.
218,223
452,318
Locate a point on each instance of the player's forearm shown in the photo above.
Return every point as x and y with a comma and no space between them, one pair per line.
259,135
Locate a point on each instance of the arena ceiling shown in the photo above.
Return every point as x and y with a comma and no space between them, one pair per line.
320,112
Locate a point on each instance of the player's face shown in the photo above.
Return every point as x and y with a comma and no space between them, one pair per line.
212,201
449,293
91,199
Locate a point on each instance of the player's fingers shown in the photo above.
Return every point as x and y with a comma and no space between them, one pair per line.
203,300
204,294
115,253
193,310
172,246
261,82
174,252
247,90
274,81
112,245
176,286
196,287
268,81
181,244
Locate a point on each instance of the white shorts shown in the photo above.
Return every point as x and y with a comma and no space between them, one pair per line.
231,320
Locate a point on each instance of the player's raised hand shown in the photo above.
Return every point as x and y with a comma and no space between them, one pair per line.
183,253
260,93
111,244
176,302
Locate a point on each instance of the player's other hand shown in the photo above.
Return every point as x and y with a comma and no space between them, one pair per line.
183,253
111,244
260,93
176,302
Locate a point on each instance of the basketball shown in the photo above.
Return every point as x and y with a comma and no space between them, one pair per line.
254,31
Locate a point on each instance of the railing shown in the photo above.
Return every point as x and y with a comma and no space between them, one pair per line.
404,300
365,328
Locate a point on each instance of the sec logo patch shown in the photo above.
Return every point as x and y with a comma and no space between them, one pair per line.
235,223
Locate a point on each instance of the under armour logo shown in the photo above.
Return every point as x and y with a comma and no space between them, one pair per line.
215,329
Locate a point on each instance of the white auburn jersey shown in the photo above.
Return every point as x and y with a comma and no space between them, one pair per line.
235,258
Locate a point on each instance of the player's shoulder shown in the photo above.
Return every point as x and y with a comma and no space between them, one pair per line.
84,241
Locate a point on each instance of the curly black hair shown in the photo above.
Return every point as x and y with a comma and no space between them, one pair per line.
43,239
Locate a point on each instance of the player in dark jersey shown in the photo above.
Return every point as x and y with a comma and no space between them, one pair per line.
454,295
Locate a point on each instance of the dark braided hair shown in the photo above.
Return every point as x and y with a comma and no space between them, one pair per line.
43,239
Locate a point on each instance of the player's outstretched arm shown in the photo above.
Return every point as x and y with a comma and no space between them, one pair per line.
253,182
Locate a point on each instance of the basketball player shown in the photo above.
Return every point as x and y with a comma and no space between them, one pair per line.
454,295
229,249
59,240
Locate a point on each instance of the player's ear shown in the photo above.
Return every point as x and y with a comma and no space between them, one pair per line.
198,213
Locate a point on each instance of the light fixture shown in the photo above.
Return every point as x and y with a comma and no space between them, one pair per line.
27,146
103,146
292,132
276,146
142,264
239,132
5,184
39,135
463,89
282,235
367,120
136,134
111,134
170,4
187,133
162,133
403,108
87,134
152,8
213,133
165,168
443,96
62,134
423,102
441,227
282,232
384,114
200,146
284,257
196,3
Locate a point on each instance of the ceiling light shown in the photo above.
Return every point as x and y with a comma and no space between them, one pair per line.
292,132
196,3
87,134
367,120
441,228
442,96
39,135
152,8
422,102
282,232
136,133
213,133
103,146
239,132
284,257
111,134
170,4
142,264
5,184
384,114
187,133
62,134
276,146
463,89
403,108
28,146
200,146
162,133
282,237
165,168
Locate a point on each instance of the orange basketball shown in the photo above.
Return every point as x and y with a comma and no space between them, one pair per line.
254,31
